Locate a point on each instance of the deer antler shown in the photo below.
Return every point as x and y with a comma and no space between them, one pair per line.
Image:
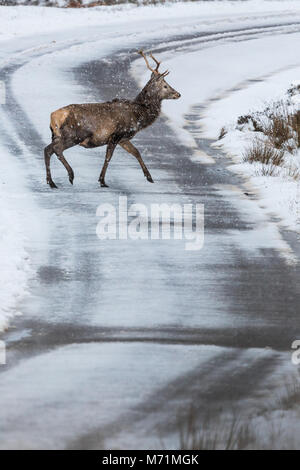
156,61
155,71
147,63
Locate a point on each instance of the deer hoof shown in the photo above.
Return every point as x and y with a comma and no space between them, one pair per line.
103,185
71,179
149,178
52,184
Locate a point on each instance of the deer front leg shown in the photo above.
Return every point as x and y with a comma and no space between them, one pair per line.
48,151
109,153
130,148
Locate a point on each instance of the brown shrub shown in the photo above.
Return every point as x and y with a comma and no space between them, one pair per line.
263,152
278,123
278,129
295,124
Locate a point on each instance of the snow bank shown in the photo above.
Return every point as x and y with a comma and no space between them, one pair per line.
279,194
20,21
15,268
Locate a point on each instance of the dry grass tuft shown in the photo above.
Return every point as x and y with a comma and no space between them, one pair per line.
267,170
263,152
278,122
228,432
294,173
278,128
211,435
295,124
280,125
222,134
291,396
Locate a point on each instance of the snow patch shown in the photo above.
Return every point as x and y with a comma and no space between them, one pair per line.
278,193
15,266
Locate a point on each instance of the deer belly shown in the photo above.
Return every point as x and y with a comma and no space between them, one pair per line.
88,144
96,140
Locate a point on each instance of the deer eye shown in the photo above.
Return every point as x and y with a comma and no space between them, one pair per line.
165,86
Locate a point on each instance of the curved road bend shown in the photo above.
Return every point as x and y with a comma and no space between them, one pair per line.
118,337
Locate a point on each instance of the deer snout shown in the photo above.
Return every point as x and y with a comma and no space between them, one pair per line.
176,95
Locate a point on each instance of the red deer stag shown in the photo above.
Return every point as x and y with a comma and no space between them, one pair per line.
112,123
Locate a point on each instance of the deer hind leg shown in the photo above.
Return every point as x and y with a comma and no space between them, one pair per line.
109,153
130,148
58,148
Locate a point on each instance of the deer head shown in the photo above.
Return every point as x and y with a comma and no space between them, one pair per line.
157,85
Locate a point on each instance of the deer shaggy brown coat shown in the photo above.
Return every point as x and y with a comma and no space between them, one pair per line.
112,123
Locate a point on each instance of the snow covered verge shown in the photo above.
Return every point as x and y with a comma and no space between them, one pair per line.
271,427
20,21
15,222
265,145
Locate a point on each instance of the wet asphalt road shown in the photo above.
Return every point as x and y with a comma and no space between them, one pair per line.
117,337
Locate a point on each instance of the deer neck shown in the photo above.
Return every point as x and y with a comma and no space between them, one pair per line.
149,105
